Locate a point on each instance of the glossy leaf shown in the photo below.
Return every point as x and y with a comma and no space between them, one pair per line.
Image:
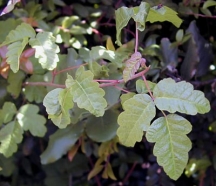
51,102
86,93
14,52
45,50
171,143
209,3
29,119
22,31
10,136
139,111
104,128
132,65
164,14
181,97
60,142
7,112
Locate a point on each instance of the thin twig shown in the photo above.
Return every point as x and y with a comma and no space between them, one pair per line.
69,68
147,86
129,173
43,84
201,15
137,38
96,177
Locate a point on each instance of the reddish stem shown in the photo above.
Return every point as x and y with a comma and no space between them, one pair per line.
43,84
70,68
96,177
147,86
129,173
201,15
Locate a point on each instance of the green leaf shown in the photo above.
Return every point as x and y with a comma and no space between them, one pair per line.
172,144
51,102
139,111
15,81
29,119
125,97
123,15
164,14
7,165
65,101
10,136
22,31
102,129
60,142
15,50
209,3
132,65
179,35
140,14
181,97
7,112
141,87
45,49
87,93
35,93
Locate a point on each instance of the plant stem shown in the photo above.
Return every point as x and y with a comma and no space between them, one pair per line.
137,38
147,86
96,177
129,173
70,68
43,84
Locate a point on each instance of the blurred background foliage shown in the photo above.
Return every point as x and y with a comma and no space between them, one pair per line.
185,53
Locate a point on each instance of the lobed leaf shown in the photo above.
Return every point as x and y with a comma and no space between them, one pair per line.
45,50
29,119
21,31
10,136
141,87
139,111
181,97
132,65
87,93
14,52
171,143
164,14
7,112
60,142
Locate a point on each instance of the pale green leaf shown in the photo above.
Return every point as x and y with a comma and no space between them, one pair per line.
45,50
35,93
66,102
132,65
171,143
15,81
179,35
123,15
140,14
209,3
181,97
7,112
101,129
10,136
51,102
29,119
87,93
22,31
141,87
164,14
60,142
14,52
125,97
139,111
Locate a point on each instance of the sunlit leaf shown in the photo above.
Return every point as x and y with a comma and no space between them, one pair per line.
22,31
29,119
60,142
45,50
209,3
171,143
9,7
86,93
109,44
15,50
139,111
181,97
10,136
7,112
164,14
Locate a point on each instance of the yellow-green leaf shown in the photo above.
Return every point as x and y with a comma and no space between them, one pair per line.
171,143
139,111
181,97
87,93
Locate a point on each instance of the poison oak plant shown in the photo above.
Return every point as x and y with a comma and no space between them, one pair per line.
87,105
